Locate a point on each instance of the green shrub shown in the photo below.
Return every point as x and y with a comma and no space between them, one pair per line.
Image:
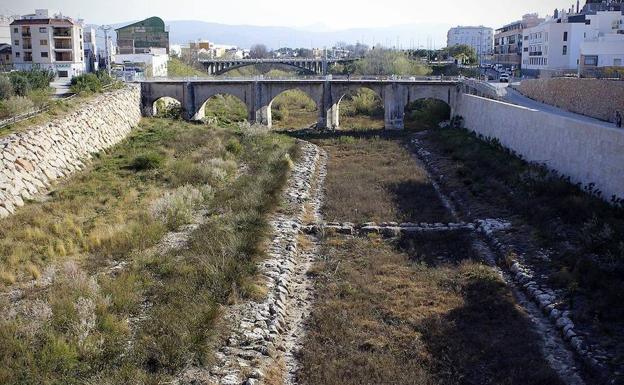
40,97
363,102
226,109
15,105
86,83
20,83
427,111
6,88
168,108
147,161
176,209
294,99
234,147
279,114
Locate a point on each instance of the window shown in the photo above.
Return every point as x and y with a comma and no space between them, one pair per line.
17,54
43,42
565,36
565,49
16,42
44,54
43,30
15,30
617,62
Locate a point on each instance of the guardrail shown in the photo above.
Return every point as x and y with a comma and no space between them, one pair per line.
484,88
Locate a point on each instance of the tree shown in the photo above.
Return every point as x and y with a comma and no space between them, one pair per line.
259,51
383,61
6,88
304,53
463,51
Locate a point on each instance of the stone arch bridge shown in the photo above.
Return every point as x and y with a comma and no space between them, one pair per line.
306,65
258,95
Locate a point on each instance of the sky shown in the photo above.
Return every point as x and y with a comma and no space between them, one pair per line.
320,14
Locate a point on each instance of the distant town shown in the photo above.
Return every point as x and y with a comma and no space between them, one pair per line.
583,41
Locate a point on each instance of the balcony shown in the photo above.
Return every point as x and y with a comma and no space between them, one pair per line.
63,56
26,34
62,44
62,32
538,53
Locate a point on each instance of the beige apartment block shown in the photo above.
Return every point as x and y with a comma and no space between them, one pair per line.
48,42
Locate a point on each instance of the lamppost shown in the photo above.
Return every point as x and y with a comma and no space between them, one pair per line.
106,28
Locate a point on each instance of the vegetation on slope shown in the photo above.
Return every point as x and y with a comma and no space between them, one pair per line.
112,307
24,91
177,68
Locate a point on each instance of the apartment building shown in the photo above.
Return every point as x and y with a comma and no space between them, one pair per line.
509,38
480,38
554,47
46,41
90,49
603,45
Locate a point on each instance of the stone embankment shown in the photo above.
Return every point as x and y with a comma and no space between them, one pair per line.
264,334
598,98
31,160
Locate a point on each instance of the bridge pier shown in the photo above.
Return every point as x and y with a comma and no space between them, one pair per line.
395,100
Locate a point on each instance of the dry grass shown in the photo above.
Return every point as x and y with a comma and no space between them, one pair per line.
387,316
145,322
374,178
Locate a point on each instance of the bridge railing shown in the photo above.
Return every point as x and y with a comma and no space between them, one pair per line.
308,77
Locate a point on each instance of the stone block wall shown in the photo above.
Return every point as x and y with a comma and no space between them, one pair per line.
584,151
32,159
597,98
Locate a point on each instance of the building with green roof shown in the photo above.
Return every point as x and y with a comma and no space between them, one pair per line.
141,36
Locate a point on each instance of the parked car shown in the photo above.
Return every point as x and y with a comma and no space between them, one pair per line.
504,78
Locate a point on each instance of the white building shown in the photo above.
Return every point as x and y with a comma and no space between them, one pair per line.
554,47
603,45
90,49
5,29
480,38
152,64
47,41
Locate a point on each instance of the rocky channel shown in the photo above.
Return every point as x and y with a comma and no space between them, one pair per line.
265,335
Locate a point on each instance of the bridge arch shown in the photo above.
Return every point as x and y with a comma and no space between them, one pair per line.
426,113
356,102
153,91
295,105
225,108
167,107
269,90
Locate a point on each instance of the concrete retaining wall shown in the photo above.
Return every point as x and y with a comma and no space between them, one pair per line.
597,98
31,160
586,152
